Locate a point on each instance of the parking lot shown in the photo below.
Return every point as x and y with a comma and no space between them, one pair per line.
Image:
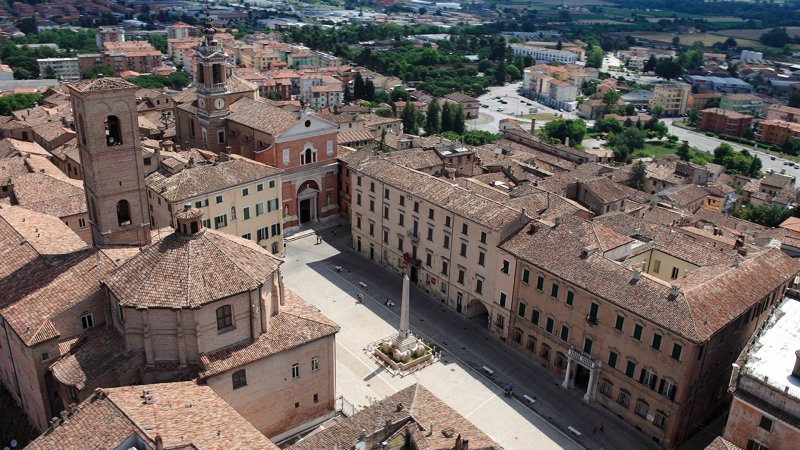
502,102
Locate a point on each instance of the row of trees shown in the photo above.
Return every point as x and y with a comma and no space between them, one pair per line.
15,102
438,120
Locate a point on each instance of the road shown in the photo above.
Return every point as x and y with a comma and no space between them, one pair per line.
467,346
707,144
515,106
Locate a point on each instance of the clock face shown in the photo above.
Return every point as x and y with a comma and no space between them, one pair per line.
219,103
201,103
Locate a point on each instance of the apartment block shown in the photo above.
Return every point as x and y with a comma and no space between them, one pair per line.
237,196
640,329
783,112
447,234
744,103
776,132
66,69
672,97
544,55
721,121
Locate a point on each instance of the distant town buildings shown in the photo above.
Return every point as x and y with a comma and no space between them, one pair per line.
721,121
66,69
671,97
544,55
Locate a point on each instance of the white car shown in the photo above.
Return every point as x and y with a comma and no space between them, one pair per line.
501,109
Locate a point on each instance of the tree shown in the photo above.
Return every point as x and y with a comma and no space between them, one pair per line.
611,97
458,120
358,86
513,72
409,116
382,144
768,216
684,152
794,98
595,58
557,131
693,116
658,111
676,41
480,137
432,121
638,177
49,72
369,90
608,125
447,117
96,71
776,37
730,43
15,102
668,69
625,143
650,64
27,25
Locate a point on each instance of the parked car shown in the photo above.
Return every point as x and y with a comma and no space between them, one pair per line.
772,157
500,109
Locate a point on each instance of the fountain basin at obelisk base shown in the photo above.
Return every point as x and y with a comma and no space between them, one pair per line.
403,351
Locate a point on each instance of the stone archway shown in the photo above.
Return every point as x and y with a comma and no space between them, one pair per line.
307,202
477,310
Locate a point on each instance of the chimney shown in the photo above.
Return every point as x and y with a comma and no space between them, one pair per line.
796,370
673,292
430,429
159,442
533,126
566,141
225,155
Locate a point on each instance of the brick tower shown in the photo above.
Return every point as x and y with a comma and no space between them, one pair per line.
105,117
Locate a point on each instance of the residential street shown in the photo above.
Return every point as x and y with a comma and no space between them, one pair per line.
458,378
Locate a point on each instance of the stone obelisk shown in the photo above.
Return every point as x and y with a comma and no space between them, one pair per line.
405,341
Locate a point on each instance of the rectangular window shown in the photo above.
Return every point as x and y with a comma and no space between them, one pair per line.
481,259
656,266
656,341
400,244
624,398
87,321
483,237
371,205
667,389
550,325
619,323
198,204
385,212
224,318
637,332
261,234
660,420
358,221
755,445
460,276
535,317
358,180
403,200
271,185
674,273
531,345
521,309
765,423
358,199
428,259
606,388
314,364
218,199
447,221
540,282
245,192
570,297
239,379
276,229
479,286
446,241
503,299
416,207
463,249
259,208
444,268
316,398
464,228
612,359
430,213
641,408
430,234
630,369
401,220
206,223
564,333
295,371
506,266
526,276
677,349
220,221
247,236
648,378
587,345
554,291
386,194
246,212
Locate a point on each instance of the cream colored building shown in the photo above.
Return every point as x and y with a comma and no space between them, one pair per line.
672,97
448,234
237,195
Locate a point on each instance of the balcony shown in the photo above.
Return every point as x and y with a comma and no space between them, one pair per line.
413,236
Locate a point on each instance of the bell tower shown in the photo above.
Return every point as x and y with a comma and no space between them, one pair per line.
211,79
107,125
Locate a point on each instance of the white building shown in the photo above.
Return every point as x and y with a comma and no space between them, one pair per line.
67,69
749,56
547,55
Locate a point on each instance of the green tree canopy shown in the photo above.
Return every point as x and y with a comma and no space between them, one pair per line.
432,121
638,177
409,116
557,131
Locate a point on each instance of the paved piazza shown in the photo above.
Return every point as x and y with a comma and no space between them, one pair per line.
310,271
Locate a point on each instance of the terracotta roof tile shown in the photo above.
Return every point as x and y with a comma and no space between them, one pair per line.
47,194
101,84
262,116
296,324
413,408
188,271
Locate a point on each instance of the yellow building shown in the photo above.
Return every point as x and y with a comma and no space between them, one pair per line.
672,97
237,195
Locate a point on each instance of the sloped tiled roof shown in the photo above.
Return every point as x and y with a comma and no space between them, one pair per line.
605,189
262,116
44,193
188,271
296,324
183,414
207,178
410,410
46,234
101,84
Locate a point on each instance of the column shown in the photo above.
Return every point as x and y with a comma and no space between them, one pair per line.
565,383
590,389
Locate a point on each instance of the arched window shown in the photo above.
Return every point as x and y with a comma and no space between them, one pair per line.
216,71
224,318
201,74
233,213
239,379
24,135
82,127
113,131
194,227
308,156
123,213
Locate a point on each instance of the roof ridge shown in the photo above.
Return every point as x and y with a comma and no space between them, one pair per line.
236,263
